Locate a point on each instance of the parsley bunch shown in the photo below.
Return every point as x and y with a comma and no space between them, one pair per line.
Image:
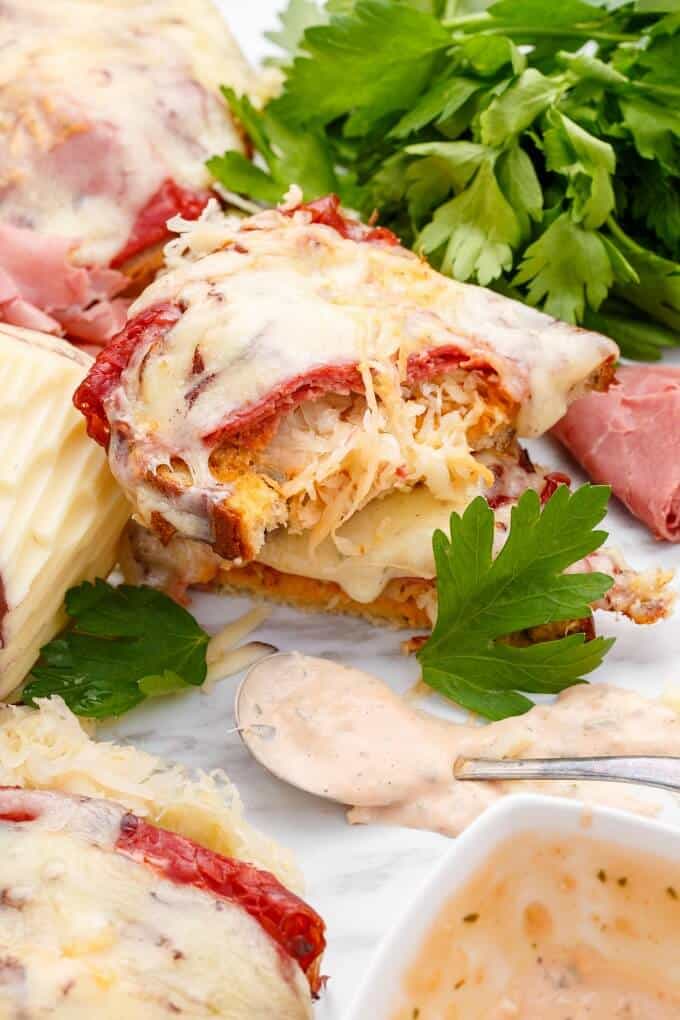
532,146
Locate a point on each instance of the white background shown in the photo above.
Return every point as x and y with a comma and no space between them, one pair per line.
358,878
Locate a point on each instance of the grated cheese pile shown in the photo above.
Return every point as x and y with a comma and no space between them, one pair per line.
331,457
50,749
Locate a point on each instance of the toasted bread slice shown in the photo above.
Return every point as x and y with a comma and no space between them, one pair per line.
380,566
409,603
142,269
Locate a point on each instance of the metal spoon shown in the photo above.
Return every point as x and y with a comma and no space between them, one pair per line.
330,740
648,771
331,730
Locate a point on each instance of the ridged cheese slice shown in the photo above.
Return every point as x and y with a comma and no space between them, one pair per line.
61,512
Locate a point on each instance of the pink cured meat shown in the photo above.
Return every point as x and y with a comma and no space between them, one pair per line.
40,288
630,439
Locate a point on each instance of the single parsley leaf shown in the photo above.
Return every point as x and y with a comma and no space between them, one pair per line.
437,104
483,600
86,691
167,682
236,173
535,13
477,230
486,55
658,292
442,167
518,107
521,186
461,159
656,289
657,205
592,68
637,338
124,644
369,63
429,184
298,16
564,267
655,130
660,61
588,162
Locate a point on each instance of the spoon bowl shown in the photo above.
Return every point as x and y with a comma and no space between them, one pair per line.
333,730
252,711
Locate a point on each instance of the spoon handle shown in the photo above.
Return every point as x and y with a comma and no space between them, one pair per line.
663,772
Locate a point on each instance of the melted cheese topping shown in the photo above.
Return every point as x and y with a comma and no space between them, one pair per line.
85,932
392,537
61,510
273,297
102,100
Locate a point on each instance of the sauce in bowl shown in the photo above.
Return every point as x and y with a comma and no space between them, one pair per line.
553,928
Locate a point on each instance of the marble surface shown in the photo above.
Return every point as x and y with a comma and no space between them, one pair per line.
359,878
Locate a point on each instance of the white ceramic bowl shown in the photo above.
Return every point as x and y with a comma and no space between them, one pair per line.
378,996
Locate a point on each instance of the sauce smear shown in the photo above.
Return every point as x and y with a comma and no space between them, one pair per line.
344,734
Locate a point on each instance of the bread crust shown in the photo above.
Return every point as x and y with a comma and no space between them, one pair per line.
397,606
402,603
142,269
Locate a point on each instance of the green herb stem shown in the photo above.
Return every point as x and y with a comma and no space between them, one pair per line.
485,24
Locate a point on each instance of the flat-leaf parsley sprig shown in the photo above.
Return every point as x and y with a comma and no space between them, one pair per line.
482,600
126,644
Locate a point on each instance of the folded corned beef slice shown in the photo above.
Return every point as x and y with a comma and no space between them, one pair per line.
629,437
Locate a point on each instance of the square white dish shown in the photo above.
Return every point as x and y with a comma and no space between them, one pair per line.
379,996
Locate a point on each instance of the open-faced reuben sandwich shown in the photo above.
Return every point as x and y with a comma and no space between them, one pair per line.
299,401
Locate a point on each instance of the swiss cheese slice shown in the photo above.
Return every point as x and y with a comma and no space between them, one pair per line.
61,512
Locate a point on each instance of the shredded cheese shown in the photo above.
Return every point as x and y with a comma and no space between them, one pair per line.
233,632
235,661
331,457
50,749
